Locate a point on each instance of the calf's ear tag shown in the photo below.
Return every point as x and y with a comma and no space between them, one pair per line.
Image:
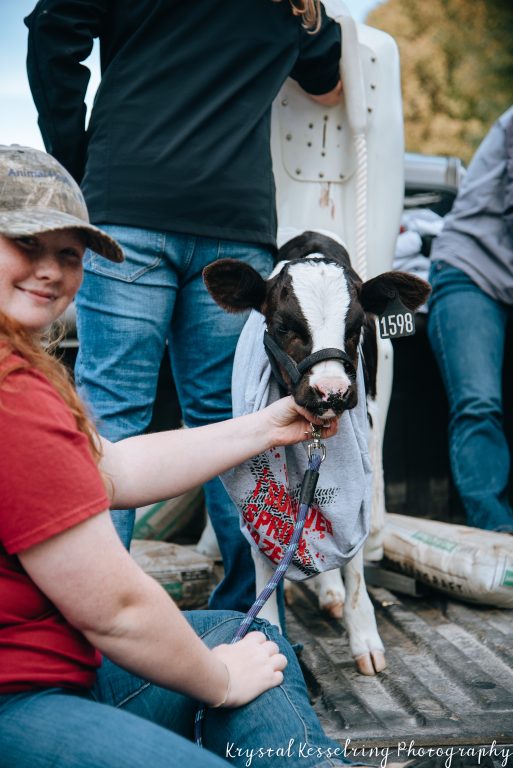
396,320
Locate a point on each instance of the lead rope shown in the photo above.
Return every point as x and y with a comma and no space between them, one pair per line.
316,455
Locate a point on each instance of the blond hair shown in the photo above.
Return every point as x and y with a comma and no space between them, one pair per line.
31,353
310,12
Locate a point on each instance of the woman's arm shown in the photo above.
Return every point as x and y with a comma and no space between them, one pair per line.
90,577
152,467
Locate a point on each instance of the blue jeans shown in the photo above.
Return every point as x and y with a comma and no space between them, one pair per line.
125,314
125,722
467,331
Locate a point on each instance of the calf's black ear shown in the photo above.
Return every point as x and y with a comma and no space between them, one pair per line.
235,286
377,292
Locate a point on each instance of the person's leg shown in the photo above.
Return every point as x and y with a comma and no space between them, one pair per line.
202,345
123,315
280,723
62,730
467,330
119,688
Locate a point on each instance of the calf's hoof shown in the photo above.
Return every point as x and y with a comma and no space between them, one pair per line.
370,663
332,610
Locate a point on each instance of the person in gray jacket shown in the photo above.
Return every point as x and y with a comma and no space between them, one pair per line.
472,298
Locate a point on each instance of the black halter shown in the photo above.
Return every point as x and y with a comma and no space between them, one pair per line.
296,371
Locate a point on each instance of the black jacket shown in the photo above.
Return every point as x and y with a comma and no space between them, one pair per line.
179,133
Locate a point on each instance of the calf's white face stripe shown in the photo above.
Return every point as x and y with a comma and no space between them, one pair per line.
323,295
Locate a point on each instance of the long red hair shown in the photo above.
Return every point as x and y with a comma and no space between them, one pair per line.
32,351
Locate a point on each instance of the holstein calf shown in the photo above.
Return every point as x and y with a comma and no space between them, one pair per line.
314,302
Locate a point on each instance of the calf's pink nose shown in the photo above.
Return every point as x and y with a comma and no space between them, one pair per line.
331,386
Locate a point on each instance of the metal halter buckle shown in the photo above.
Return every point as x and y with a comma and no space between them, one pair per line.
316,444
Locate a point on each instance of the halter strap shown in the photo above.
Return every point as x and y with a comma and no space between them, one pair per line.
296,371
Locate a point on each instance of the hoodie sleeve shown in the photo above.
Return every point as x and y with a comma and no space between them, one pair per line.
317,69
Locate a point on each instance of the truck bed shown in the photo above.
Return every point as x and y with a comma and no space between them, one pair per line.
449,679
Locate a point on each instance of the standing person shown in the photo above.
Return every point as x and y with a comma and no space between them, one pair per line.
176,165
69,590
471,301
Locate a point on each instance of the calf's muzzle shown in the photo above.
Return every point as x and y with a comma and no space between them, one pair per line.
333,400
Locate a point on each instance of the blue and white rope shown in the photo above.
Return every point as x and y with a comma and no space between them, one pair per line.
314,463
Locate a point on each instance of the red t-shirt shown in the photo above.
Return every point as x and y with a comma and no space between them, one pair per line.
48,483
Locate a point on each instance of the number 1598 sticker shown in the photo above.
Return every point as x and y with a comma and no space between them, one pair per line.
396,321
392,326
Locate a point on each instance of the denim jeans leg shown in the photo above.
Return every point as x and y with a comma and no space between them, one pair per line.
123,314
126,722
280,726
467,330
58,728
202,345
281,722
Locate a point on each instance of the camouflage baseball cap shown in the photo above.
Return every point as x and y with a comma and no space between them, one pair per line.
38,195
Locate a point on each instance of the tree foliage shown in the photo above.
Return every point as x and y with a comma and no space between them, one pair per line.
456,69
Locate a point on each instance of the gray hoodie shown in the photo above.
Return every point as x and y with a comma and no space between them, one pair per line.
477,236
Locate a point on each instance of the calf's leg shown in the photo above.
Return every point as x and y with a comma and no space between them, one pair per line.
360,621
208,544
329,588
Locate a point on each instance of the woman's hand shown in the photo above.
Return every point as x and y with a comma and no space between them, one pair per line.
254,665
290,423
330,99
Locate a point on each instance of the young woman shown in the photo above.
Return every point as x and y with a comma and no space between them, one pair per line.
69,591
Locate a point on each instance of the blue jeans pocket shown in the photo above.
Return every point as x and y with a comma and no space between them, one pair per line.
142,248
437,271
